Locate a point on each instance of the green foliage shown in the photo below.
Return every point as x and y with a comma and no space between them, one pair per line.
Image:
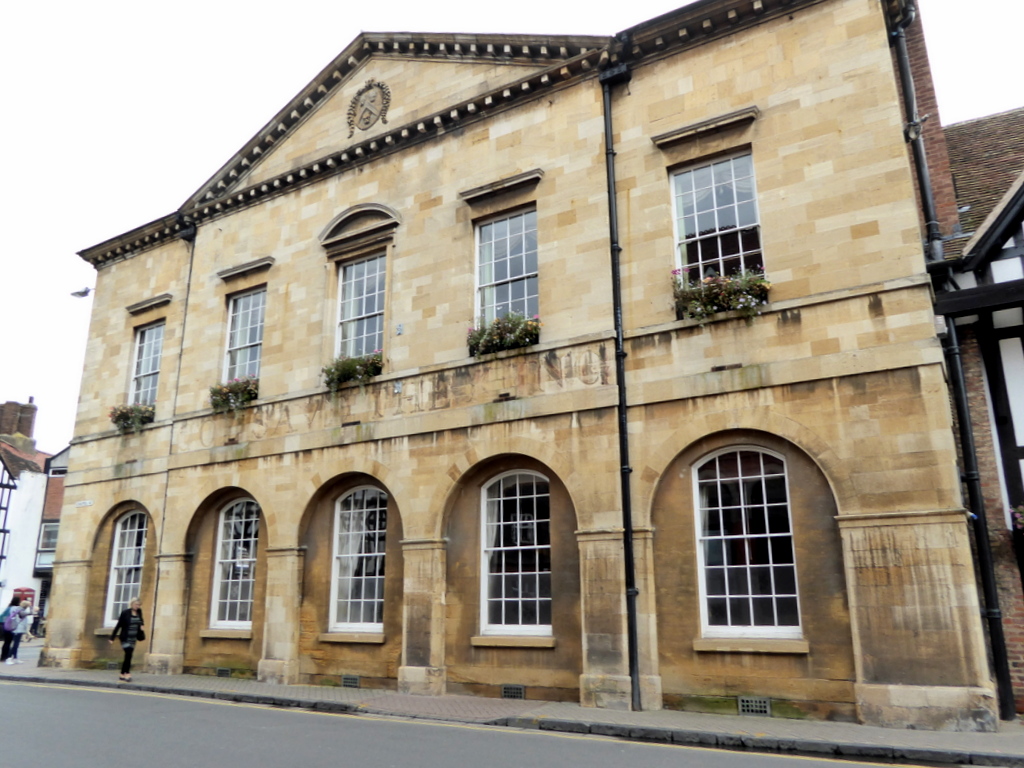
234,395
131,418
511,331
697,299
346,369
1017,516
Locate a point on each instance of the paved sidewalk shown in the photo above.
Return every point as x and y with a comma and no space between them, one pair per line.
755,734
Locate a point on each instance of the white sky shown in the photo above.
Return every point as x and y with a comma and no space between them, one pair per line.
115,111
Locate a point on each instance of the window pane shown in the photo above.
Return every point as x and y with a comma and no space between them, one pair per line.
361,323
507,266
752,540
245,335
359,559
148,350
517,552
126,563
236,563
711,202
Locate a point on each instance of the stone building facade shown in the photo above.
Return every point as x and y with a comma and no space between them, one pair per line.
456,522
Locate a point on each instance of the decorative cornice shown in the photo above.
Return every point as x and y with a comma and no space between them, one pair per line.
720,123
266,262
573,59
146,304
165,229
502,185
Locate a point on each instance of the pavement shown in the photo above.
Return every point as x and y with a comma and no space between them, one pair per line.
744,733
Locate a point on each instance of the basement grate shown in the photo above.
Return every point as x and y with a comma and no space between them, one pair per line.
113,665
350,681
755,705
513,691
223,671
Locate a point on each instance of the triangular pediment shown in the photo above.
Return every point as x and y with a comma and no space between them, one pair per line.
381,81
433,84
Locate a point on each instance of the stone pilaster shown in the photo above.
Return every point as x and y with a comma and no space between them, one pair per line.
167,635
918,641
605,680
65,623
280,659
423,622
647,619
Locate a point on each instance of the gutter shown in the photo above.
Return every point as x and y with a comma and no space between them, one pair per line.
913,132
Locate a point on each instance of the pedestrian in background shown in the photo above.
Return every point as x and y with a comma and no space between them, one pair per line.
129,627
23,617
13,612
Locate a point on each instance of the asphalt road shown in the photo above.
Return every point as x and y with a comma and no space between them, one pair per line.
56,726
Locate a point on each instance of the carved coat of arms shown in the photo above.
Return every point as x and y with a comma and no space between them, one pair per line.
369,105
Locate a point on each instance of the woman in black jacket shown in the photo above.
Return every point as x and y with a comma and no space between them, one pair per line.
129,626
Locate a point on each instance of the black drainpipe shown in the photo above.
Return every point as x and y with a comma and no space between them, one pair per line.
614,75
913,132
971,476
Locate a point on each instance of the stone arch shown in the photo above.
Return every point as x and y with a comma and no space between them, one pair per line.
471,461
814,673
97,621
325,655
358,221
548,666
761,419
208,647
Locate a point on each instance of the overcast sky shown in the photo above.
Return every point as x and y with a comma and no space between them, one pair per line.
115,112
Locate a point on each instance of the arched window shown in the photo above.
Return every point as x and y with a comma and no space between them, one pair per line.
745,546
234,577
515,579
357,582
126,561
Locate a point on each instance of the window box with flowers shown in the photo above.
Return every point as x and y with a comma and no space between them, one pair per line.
1017,517
234,395
345,369
510,331
698,299
132,418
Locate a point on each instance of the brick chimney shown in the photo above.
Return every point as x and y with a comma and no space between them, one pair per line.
18,419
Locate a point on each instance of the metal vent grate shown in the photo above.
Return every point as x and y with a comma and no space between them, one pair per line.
350,681
755,705
223,672
113,665
513,691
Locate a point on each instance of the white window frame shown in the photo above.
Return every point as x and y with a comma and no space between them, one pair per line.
45,555
543,583
529,304
741,217
359,570
127,559
149,345
235,311
352,306
746,630
235,556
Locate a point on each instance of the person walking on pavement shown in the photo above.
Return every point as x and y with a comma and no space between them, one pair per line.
23,618
8,636
129,627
